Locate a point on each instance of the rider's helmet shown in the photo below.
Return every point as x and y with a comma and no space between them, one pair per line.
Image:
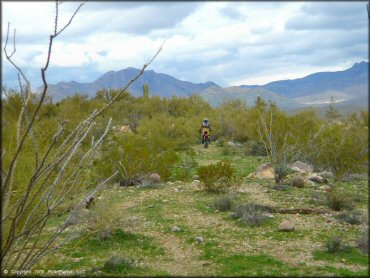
205,120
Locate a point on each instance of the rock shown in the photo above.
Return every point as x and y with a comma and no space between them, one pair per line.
297,182
89,202
279,187
196,182
231,144
286,226
154,177
175,229
301,167
326,174
195,177
325,188
268,215
310,183
316,179
199,239
264,171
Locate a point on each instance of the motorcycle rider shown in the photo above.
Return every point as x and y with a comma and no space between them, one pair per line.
206,126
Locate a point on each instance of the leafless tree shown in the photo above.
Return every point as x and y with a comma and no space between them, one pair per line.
279,154
56,172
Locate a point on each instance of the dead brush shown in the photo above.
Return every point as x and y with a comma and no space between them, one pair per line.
250,214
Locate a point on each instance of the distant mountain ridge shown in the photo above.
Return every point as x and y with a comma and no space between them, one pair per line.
348,87
160,84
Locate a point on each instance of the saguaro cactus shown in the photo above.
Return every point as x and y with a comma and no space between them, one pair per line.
146,91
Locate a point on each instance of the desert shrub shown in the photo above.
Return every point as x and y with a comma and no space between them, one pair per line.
362,243
336,245
220,142
223,203
185,166
317,198
353,217
250,214
118,264
227,150
342,146
101,220
339,201
216,177
254,148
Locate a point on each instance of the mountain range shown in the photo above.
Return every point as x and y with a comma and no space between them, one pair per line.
349,88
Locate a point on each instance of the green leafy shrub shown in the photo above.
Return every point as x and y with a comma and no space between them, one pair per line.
336,245
339,201
216,177
223,203
118,264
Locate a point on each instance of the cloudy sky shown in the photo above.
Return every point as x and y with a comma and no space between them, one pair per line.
230,43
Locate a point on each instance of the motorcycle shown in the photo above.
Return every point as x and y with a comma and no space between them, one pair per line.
205,139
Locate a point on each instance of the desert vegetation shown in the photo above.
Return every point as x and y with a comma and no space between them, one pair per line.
121,185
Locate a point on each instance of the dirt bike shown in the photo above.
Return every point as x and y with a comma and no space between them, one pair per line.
205,139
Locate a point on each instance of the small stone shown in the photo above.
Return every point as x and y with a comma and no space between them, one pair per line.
175,229
154,177
269,215
297,182
195,177
326,174
301,167
199,239
279,187
286,226
316,179
325,187
231,144
310,183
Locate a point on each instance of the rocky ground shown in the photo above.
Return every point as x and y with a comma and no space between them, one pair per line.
174,228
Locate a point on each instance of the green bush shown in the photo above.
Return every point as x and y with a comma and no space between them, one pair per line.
216,177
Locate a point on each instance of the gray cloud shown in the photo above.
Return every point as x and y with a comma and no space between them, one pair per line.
334,15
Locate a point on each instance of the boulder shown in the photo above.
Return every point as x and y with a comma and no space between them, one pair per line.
316,178
154,177
286,226
264,171
301,167
297,182
326,174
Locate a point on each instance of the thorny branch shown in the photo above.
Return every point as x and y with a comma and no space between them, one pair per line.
25,217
